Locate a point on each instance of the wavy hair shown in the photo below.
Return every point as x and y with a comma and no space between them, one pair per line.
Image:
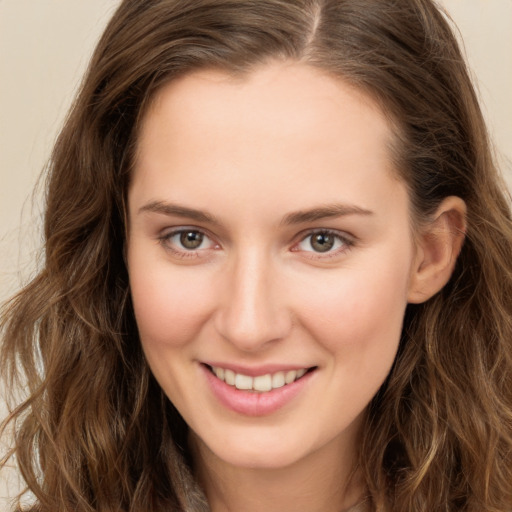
96,433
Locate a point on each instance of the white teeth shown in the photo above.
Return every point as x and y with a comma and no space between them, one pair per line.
278,380
290,376
229,377
243,381
260,383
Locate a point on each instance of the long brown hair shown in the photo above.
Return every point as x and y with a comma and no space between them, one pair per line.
96,432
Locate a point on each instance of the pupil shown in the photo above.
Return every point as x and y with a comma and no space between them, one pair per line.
191,239
322,242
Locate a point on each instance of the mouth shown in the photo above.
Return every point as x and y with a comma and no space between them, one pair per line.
260,383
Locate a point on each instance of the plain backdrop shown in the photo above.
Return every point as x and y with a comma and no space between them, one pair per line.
44,48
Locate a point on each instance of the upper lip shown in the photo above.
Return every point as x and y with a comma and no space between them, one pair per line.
255,371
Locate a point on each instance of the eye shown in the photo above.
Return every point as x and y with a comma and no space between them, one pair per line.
190,239
187,240
324,241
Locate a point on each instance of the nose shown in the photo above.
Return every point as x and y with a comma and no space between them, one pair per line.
253,311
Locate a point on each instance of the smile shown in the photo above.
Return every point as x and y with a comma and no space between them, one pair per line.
264,392
260,383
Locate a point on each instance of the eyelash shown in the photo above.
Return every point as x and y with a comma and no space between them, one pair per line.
165,241
346,243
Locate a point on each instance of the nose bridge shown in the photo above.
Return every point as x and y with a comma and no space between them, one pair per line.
253,311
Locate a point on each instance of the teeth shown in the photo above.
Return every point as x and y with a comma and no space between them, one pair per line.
278,380
260,383
290,376
243,381
229,377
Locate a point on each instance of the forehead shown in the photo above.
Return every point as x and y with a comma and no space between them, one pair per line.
283,98
284,126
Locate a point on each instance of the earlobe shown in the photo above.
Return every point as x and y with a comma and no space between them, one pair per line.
438,247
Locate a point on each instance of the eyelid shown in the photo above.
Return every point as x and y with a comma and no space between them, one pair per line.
347,240
166,235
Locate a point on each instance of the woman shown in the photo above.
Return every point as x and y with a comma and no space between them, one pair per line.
277,270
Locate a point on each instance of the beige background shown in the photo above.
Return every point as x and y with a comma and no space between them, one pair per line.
44,48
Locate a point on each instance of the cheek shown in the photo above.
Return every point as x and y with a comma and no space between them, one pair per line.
359,312
170,304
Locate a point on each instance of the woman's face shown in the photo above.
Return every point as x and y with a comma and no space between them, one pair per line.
270,242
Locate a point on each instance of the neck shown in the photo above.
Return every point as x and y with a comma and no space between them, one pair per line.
324,481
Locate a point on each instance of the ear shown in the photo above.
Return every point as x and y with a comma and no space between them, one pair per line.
438,245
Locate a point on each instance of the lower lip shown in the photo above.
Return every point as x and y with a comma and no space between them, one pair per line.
254,403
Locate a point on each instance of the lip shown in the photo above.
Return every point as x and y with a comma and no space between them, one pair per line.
250,403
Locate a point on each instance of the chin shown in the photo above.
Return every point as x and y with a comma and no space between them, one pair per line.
254,459
258,449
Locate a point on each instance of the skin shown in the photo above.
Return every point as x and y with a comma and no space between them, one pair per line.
250,152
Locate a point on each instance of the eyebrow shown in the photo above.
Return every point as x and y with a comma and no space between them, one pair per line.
323,212
298,217
177,210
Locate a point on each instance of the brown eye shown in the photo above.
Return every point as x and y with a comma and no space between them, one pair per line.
188,242
322,242
191,239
